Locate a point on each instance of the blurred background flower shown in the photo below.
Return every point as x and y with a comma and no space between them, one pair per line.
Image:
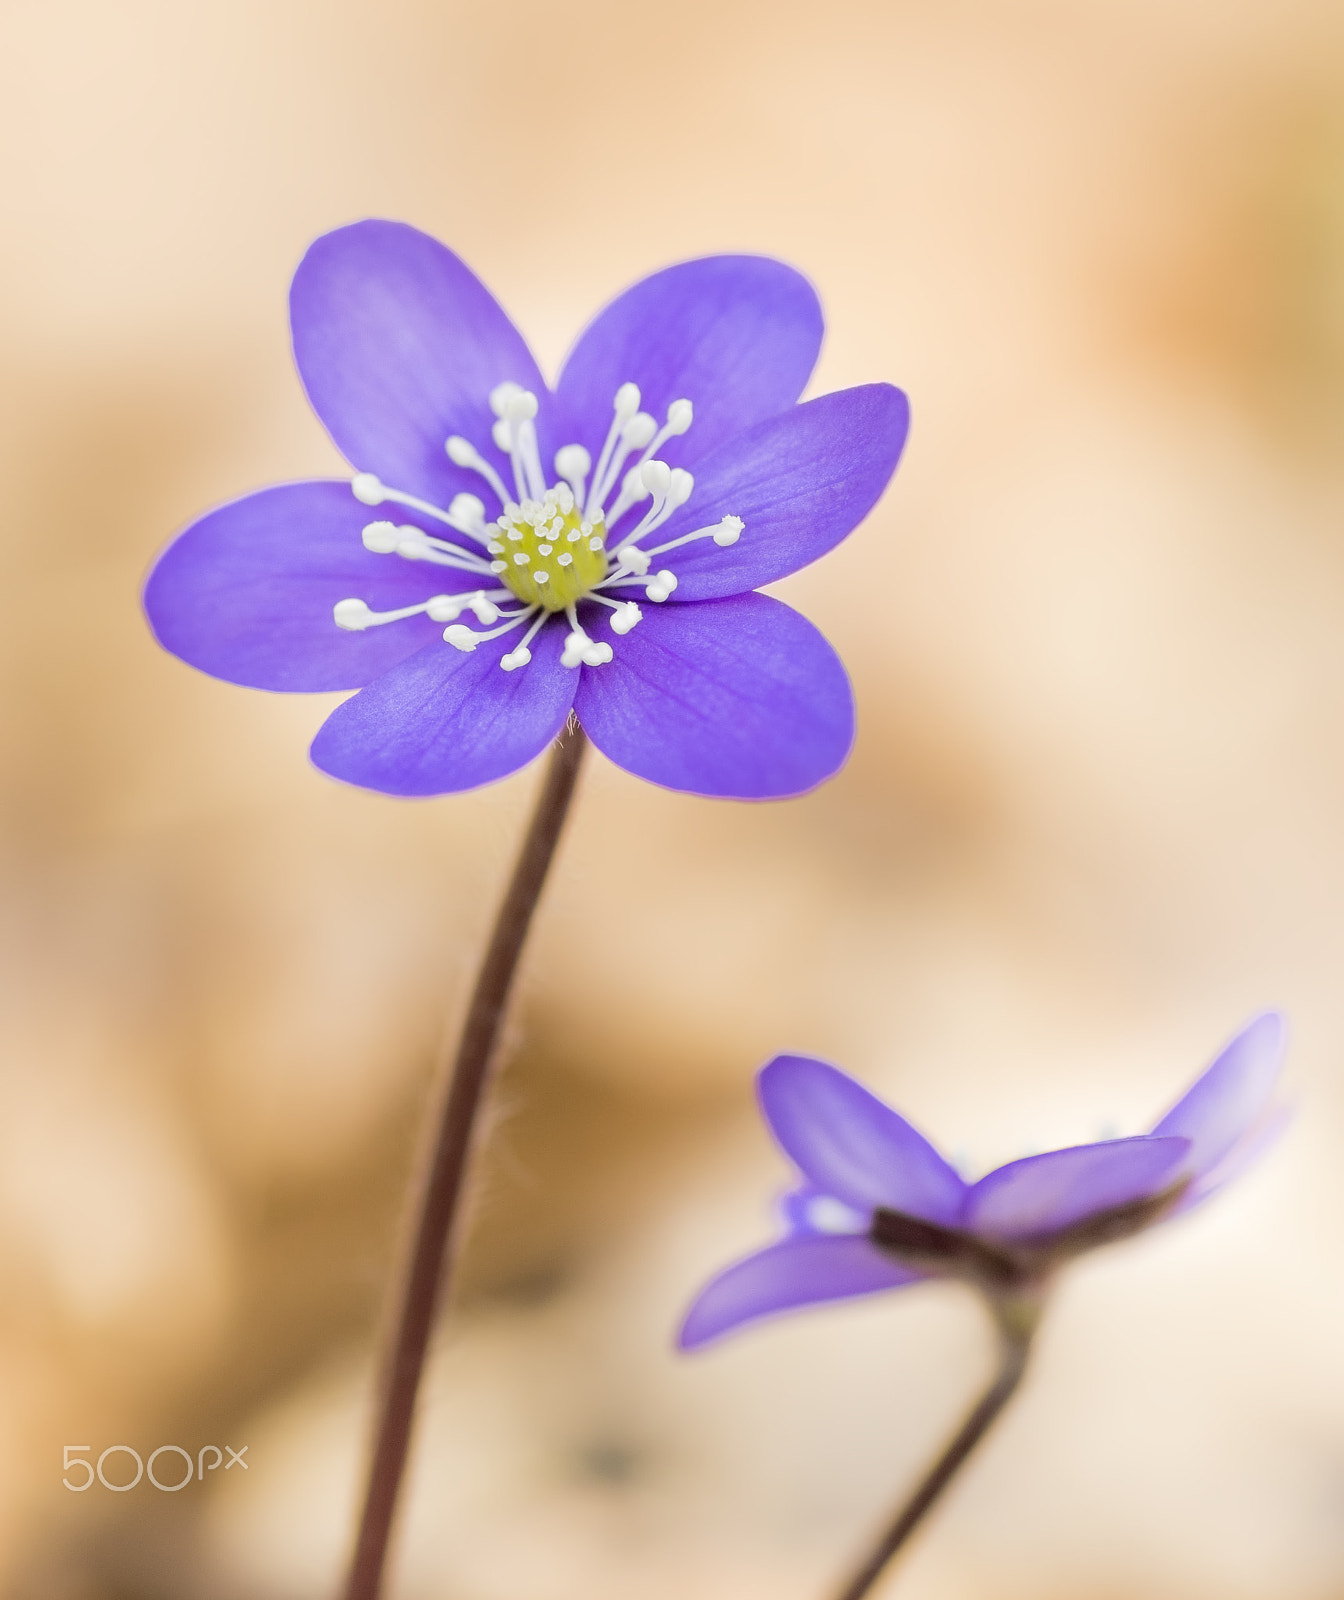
1093,812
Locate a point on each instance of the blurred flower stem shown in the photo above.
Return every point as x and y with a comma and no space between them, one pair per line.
429,1264
1016,1317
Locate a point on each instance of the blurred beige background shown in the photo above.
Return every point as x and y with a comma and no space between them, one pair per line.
1095,817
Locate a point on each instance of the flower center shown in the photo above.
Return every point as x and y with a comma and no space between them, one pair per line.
547,552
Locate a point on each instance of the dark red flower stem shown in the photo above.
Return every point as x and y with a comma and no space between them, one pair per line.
430,1262
1016,1317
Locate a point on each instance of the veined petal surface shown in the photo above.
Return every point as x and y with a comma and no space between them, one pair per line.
1231,1097
800,482
399,344
796,1272
849,1144
1041,1194
246,593
739,699
447,720
737,336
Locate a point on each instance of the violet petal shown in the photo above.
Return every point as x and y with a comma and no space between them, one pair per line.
736,335
246,593
800,482
399,344
1231,1096
447,720
739,698
1247,1151
1042,1194
849,1144
795,1272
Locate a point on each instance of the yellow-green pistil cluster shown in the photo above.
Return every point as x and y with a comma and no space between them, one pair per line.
547,552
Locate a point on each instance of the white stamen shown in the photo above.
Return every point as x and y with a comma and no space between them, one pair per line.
630,558
725,532
521,558
632,490
623,407
661,586
355,615
461,637
501,394
462,453
368,488
627,615
541,577
468,510
381,538
579,648
502,433
564,560
521,655
572,463
499,566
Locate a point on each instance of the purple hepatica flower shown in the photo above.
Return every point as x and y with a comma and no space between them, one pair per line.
880,1208
684,473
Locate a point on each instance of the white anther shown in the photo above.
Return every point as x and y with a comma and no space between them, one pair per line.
564,560
352,615
502,433
367,488
630,558
516,658
680,415
575,644
499,566
572,461
486,610
625,617
542,577
521,558
545,549
412,545
729,531
639,430
657,477
381,537
515,533
501,394
460,637
595,543
444,608
596,655
661,586
461,452
679,489
573,536
468,509
626,402
521,406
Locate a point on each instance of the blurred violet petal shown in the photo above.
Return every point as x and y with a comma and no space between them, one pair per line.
1046,1193
246,593
852,1146
446,720
796,1272
399,344
739,698
1241,1158
737,336
1232,1096
800,482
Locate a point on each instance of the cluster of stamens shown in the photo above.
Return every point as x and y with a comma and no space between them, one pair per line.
550,546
